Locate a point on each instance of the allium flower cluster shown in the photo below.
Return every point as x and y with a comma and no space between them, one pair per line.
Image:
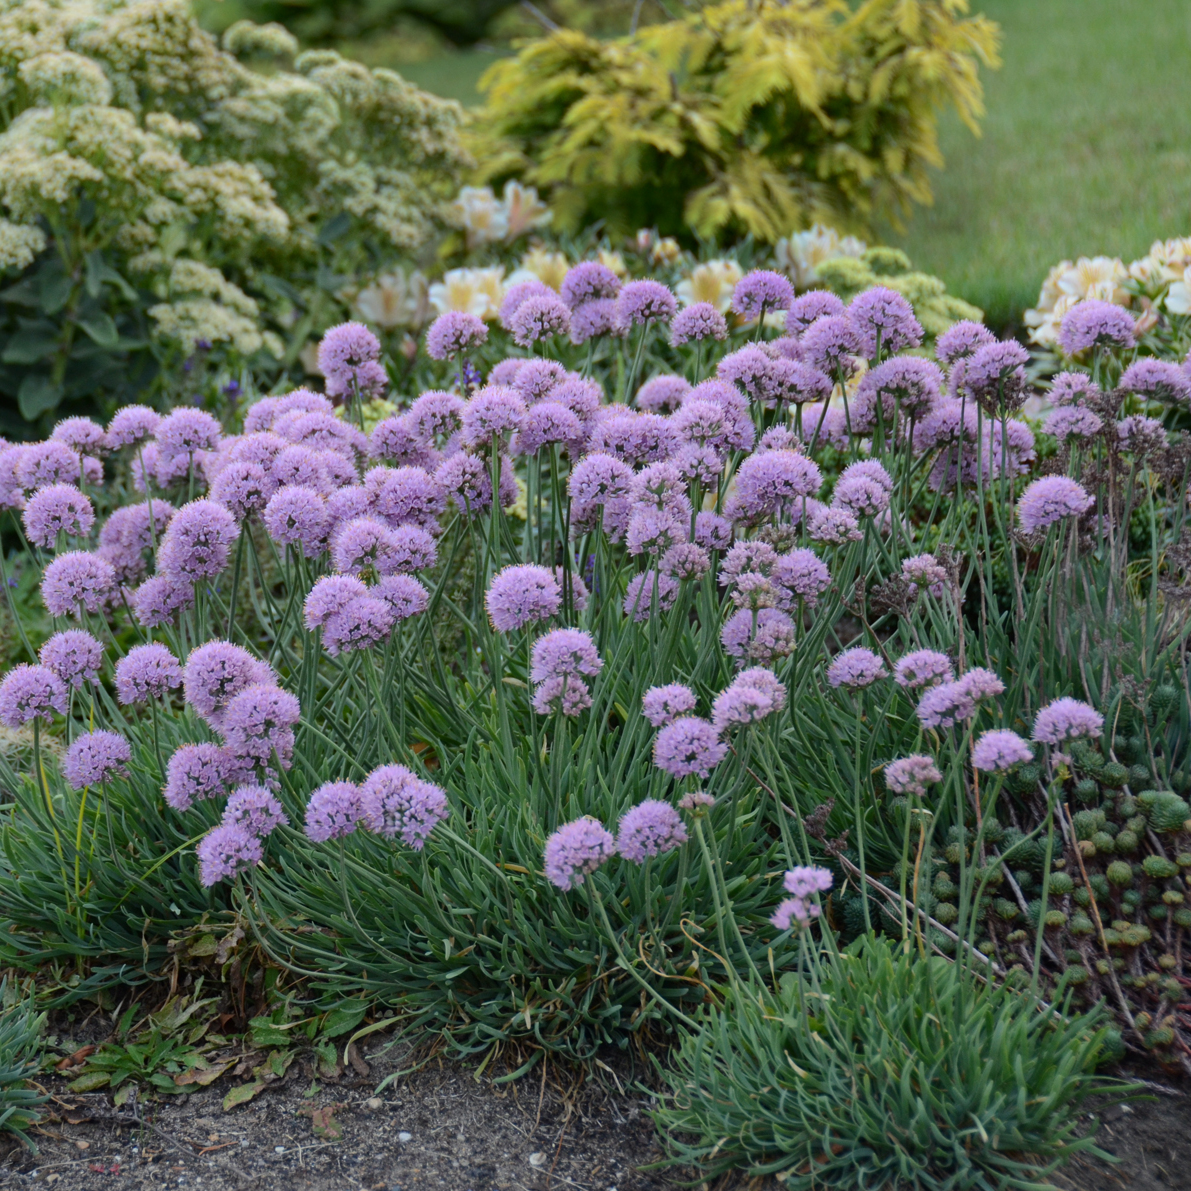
697,322
575,850
1066,719
802,883
95,758
540,317
1093,323
688,747
57,509
560,662
1157,380
77,580
75,656
883,321
197,544
761,291
453,333
912,775
226,851
648,829
662,705
1049,500
1000,749
995,375
195,772
644,302
520,595
349,359
396,802
855,669
335,810
763,637
29,693
255,810
922,668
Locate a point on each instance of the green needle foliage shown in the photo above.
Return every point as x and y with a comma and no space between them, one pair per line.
20,1032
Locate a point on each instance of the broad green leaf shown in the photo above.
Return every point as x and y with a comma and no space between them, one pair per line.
343,1018
242,1094
101,328
37,395
27,347
90,1081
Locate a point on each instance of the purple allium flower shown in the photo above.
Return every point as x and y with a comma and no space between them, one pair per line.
454,332
322,431
802,882
962,339
773,482
147,672
433,415
1141,435
396,801
226,851
761,291
94,758
77,579
506,371
1157,380
131,424
566,694
365,544
1072,388
697,322
538,318
830,344
582,397
549,422
662,394
564,652
81,435
75,656
129,532
255,809
404,595
922,668
662,705
803,574
995,374
334,810
597,317
492,413
243,488
299,466
648,592
466,480
762,636
576,849
685,560
906,382
362,623
883,321
259,721
703,423
599,478
824,424
712,531
654,531
404,496
197,543
835,526
981,684
855,668
749,555
519,595
348,358
697,802
414,548
1072,422
912,775
587,281
703,465
1049,500
748,367
1000,749
945,704
800,383
1066,719
218,671
329,596
650,828
536,379
514,296
644,302
195,772
159,599
740,704
861,490
817,304
40,464
186,431
1092,323
297,516
31,692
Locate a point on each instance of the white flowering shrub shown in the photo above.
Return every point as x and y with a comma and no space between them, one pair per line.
164,203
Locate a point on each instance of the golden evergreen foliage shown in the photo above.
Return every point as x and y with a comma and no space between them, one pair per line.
750,116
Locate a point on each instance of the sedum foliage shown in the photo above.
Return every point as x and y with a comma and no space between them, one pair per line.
743,118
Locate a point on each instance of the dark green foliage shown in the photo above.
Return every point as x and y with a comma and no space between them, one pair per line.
20,1031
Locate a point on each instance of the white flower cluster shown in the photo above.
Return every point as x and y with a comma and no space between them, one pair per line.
799,255
487,219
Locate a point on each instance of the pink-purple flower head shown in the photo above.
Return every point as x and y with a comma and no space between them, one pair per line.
863,488
396,802
131,424
197,544
31,692
1157,380
159,599
335,810
855,669
1049,500
575,850
803,575
688,747
434,416
924,571
535,380
540,317
515,295
762,637
761,292
697,322
243,488
1073,388
753,554
407,439
748,367
546,423
147,672
588,281
806,879
908,383
405,496
645,302
1140,435
1000,749
649,592
995,375
404,595
348,358
685,560
365,544
363,623
884,322
39,464
74,655
565,695
453,333
946,704
922,668
226,851
802,883
699,802
466,480
329,596
186,431
258,723
743,703
662,394
493,413
834,526
77,580
297,516
1066,719
195,772
960,340
57,509
830,344
774,482
662,705
594,318
1073,423
651,828
255,809
564,653
712,531
817,304
218,671
1093,323
912,775
520,595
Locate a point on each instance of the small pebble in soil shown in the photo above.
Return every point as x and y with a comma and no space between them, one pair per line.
374,1104
405,1137
538,1159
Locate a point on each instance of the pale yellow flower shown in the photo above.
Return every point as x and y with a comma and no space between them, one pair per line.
19,244
1046,323
548,267
480,214
711,282
665,252
524,210
392,300
1178,297
468,290
1097,272
613,261
800,255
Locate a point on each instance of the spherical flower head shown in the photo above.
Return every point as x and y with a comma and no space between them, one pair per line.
506,371
335,810
1140,435
225,852
147,672
218,671
536,380
365,544
31,692
258,722
1073,423
833,526
653,531
198,542
159,599
433,416
855,668
824,425
748,367
59,508
564,652
299,465
794,911
466,480
575,850
396,802
565,695
688,746
699,802
883,321
243,488
685,560
77,580
453,333
1157,380
538,318
95,758
1066,719
404,595
712,531
752,555
587,281
945,704
520,595
363,623
908,383
962,339
806,879
761,291
924,570
1048,500
186,431
549,422
514,296
861,489
195,772
830,344
643,302
922,668
799,383
765,681
803,574
763,636
329,596
347,358
1093,323
774,482
649,592
132,424
699,321
662,394
40,464
74,655
995,375
1000,749
255,810
598,478
492,413
662,705
592,319
738,706
637,438
1073,388
650,828
296,515
582,397
404,496
912,775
